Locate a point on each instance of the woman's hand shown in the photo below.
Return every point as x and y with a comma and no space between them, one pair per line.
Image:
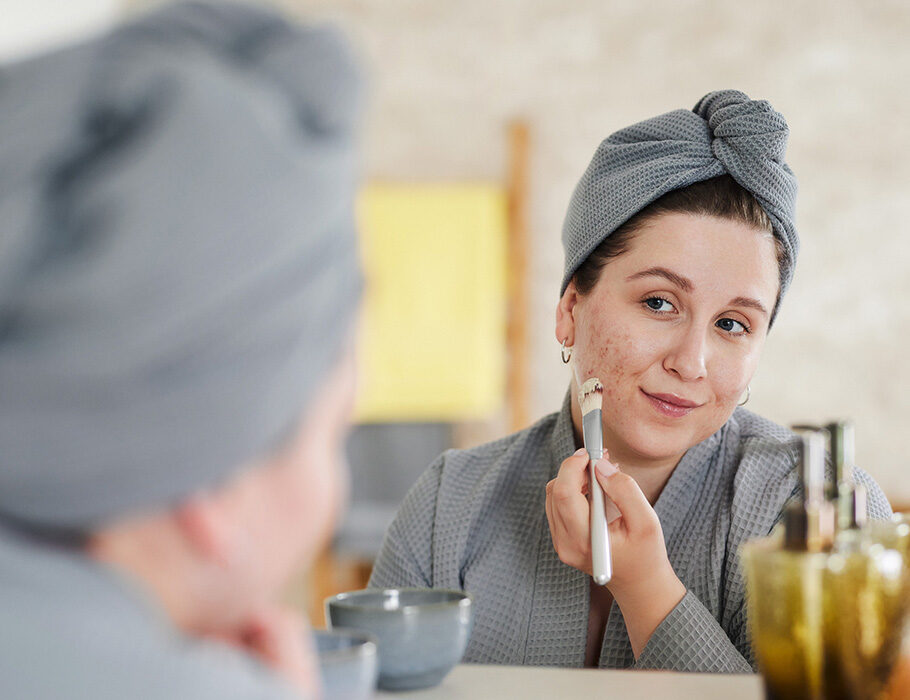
281,639
644,583
569,512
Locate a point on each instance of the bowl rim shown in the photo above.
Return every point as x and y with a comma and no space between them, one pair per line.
346,599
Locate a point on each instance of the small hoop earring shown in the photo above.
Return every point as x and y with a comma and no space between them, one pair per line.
565,352
748,396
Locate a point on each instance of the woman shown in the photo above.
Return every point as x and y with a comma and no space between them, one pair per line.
177,286
680,243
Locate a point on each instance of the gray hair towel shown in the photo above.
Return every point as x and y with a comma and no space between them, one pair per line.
726,133
178,265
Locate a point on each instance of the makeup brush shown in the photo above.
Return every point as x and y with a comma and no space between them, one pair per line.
591,399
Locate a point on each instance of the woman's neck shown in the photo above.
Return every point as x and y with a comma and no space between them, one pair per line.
651,475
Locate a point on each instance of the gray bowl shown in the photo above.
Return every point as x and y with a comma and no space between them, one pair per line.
421,632
348,663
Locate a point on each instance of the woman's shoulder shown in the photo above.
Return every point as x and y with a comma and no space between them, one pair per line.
465,478
767,456
761,446
461,500
753,427
758,459
506,453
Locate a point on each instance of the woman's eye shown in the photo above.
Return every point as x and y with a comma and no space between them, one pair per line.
731,326
658,304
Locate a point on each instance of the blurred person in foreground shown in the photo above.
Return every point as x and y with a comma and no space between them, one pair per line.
178,282
680,243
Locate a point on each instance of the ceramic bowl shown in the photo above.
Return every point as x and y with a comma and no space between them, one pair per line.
348,662
421,632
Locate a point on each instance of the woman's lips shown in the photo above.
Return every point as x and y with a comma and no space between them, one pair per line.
670,404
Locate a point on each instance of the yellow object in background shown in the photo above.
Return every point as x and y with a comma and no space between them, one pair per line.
433,344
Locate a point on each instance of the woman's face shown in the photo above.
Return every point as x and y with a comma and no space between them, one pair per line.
306,487
279,514
673,329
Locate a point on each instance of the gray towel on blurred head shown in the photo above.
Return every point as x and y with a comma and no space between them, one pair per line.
726,133
177,255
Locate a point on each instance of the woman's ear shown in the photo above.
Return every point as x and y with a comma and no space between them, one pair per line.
565,315
206,528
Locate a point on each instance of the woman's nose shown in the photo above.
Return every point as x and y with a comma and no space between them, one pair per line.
686,357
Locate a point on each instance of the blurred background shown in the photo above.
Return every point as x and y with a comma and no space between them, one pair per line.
483,114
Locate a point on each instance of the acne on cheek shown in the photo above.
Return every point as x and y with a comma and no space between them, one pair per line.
609,392
608,360
591,363
619,357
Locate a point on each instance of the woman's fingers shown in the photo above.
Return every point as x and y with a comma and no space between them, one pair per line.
280,638
570,505
557,526
571,480
568,511
549,504
637,514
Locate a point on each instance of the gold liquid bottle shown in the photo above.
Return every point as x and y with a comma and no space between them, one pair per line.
785,580
864,588
826,611
849,499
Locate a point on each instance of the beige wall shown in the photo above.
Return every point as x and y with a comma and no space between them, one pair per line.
446,76
28,26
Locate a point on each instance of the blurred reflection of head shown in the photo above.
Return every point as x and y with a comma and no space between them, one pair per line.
178,282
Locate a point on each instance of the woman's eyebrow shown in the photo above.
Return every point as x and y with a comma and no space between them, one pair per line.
686,285
680,281
749,302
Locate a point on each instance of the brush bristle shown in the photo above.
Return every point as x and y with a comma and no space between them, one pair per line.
591,396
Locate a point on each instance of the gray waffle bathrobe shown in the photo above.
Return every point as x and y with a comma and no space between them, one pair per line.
476,521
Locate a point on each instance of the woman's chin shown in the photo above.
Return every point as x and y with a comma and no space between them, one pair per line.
661,444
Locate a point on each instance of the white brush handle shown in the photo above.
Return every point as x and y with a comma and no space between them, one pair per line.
601,561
